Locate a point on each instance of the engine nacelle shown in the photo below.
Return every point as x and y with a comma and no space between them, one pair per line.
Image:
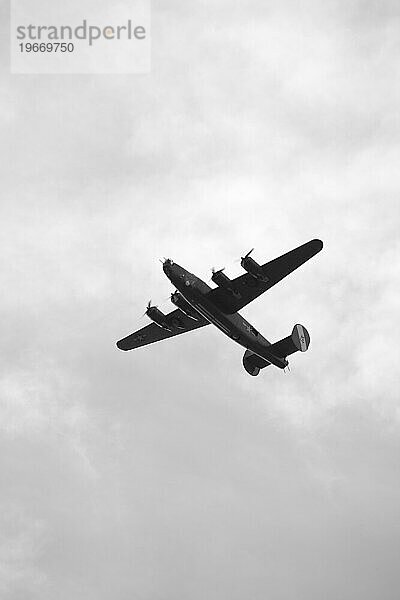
221,279
179,301
252,267
224,282
156,315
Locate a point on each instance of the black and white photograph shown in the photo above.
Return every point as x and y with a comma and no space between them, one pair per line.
200,307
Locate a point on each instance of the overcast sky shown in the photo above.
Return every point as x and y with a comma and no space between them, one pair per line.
168,473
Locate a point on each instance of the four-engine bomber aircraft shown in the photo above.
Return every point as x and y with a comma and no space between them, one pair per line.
199,305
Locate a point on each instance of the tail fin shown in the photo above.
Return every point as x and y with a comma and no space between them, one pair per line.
253,363
297,341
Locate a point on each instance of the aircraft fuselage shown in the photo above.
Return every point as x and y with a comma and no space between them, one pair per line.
195,291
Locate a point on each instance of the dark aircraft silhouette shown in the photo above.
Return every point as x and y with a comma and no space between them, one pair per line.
199,305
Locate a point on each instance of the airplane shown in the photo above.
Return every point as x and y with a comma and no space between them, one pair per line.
198,305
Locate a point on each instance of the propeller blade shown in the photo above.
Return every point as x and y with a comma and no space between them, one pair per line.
147,308
248,254
214,270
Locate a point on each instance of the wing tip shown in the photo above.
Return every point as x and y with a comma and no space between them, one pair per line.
318,244
120,345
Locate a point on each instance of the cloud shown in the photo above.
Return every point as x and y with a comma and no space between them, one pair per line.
22,541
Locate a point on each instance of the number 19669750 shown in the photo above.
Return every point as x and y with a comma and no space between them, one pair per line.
47,47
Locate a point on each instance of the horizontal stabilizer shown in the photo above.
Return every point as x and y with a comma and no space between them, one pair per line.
297,341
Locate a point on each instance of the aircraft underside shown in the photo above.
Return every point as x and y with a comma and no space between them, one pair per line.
198,305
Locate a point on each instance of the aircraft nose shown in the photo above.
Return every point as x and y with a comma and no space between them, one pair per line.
167,264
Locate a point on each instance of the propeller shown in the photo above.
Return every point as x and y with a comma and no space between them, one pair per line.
214,270
149,305
166,261
244,257
247,255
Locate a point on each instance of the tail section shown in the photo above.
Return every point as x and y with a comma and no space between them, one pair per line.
297,341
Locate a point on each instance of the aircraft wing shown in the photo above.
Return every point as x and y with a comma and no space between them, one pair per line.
154,333
247,287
